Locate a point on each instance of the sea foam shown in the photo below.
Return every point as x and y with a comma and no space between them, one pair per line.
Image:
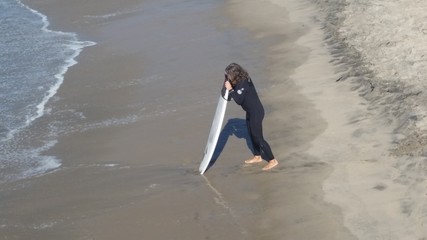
34,60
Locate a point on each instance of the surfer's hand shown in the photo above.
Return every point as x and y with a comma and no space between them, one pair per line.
227,85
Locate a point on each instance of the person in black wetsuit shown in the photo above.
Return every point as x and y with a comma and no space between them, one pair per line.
242,90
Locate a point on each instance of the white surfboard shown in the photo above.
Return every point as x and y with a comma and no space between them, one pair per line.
214,133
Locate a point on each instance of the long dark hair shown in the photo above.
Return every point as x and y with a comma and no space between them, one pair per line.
236,73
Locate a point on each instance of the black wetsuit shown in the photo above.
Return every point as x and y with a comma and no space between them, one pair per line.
245,95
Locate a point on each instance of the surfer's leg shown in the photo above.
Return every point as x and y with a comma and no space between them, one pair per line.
248,126
255,147
262,144
272,162
265,148
253,133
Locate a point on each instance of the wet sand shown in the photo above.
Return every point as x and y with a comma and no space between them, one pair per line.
157,70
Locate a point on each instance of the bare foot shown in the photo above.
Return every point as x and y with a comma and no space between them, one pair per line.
256,159
271,164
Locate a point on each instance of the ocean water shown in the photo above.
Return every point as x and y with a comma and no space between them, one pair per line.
33,61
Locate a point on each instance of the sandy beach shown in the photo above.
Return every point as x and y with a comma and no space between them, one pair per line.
344,118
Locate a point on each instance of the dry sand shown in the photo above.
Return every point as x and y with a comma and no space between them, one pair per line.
337,178
384,57
380,190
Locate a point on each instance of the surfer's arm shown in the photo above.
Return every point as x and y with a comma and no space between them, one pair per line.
223,93
239,94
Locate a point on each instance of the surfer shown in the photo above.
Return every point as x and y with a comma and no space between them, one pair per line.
242,90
